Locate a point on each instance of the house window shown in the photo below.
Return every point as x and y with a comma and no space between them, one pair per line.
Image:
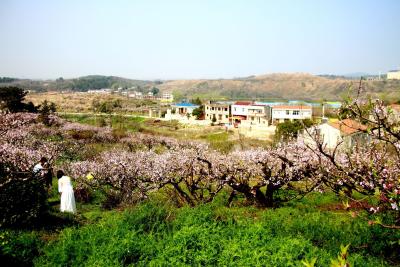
226,116
219,117
287,112
242,109
296,112
226,109
212,108
219,109
235,109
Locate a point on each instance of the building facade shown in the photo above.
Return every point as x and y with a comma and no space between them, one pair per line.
167,97
218,112
249,113
184,109
283,113
393,75
343,134
258,115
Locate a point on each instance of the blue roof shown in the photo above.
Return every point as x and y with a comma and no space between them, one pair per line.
186,105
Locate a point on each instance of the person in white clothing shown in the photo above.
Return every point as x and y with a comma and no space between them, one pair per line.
67,193
40,166
43,171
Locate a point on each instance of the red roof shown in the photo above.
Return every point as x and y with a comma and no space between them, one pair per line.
244,103
291,107
395,107
348,126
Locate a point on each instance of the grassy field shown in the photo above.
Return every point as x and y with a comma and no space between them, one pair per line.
157,233
83,102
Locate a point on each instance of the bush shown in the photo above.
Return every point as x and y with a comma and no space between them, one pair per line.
210,235
18,248
23,199
119,133
81,134
82,194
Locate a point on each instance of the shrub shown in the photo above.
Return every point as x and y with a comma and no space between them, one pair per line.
119,133
82,134
23,199
82,194
210,235
18,248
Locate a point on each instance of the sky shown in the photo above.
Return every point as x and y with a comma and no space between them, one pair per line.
188,39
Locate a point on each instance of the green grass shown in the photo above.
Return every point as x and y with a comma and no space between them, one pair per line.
116,121
155,234
219,141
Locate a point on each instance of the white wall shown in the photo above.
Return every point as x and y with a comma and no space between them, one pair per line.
281,114
240,110
330,135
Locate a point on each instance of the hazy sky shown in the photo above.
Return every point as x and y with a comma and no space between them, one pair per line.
169,39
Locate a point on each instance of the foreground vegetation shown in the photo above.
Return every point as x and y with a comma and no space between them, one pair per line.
157,233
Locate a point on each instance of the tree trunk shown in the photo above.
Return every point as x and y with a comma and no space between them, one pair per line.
269,196
183,194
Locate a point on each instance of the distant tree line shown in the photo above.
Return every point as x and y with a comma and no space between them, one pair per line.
7,80
81,84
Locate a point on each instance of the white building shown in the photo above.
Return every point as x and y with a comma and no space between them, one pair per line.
181,111
345,134
283,113
135,94
100,91
240,109
167,97
184,108
249,113
393,75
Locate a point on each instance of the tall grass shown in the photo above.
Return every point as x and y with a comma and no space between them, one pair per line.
154,234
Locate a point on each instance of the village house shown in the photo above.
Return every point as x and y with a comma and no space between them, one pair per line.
181,111
135,94
393,75
281,113
249,113
167,97
343,134
258,115
100,91
216,111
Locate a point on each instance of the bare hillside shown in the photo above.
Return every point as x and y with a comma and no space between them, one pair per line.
287,86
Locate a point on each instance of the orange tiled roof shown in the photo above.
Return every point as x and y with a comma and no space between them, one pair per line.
291,107
395,107
243,103
348,126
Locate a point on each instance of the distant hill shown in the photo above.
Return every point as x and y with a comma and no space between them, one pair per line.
300,86
80,84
